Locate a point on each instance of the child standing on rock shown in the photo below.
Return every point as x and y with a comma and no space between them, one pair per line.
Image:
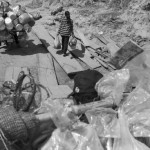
65,30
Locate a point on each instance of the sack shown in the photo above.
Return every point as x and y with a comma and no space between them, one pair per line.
57,43
84,82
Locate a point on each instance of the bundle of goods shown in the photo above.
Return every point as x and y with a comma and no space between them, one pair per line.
57,10
36,15
16,19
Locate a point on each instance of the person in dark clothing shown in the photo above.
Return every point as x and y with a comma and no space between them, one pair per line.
14,34
65,30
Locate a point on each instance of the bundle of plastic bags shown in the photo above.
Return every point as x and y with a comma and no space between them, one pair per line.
126,141
61,112
136,105
105,122
70,133
137,108
81,137
113,85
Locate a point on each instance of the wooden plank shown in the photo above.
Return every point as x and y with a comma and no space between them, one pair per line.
9,73
51,78
16,71
61,91
129,51
43,81
97,58
69,64
87,42
81,53
47,77
84,55
101,38
98,42
45,61
111,41
111,45
56,91
61,75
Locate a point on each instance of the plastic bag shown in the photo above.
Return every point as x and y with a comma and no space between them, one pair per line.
105,122
62,114
137,108
137,74
73,42
126,140
139,98
57,43
137,101
113,85
81,137
139,124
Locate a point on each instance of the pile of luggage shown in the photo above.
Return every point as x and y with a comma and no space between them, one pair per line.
14,19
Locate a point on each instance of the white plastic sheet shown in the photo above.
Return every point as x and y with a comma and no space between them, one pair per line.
126,140
81,137
113,85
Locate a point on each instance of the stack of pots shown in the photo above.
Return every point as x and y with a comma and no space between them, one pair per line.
17,19
22,19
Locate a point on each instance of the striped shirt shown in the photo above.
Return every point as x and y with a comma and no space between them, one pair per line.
66,28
